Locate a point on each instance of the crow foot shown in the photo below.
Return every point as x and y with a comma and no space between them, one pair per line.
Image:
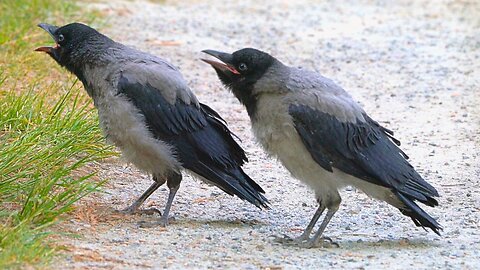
162,222
136,211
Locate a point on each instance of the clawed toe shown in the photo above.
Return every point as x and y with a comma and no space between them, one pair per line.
150,211
126,211
136,211
324,242
327,239
162,222
149,224
285,239
303,242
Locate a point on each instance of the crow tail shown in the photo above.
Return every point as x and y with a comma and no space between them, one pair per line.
234,181
417,214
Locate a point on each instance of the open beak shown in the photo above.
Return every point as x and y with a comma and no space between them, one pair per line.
51,30
226,58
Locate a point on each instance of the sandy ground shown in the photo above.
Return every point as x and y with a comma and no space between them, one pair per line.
413,65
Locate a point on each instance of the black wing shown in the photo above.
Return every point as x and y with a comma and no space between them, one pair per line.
367,151
202,142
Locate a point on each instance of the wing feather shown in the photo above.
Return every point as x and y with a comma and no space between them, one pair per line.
202,142
367,151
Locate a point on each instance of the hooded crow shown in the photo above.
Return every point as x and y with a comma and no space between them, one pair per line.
147,110
323,137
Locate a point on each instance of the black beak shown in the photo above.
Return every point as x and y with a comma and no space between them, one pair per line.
51,30
226,58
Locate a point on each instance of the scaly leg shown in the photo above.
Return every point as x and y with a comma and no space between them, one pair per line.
134,207
306,233
317,240
173,183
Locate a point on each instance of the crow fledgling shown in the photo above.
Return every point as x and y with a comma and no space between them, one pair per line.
323,137
147,110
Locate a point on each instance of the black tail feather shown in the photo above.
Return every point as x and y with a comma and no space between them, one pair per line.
250,181
417,214
235,182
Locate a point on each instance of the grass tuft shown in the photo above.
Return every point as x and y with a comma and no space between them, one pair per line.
48,134
42,146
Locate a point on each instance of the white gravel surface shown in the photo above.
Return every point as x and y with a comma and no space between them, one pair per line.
413,65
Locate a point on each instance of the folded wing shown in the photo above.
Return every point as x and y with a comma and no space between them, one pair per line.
366,150
202,142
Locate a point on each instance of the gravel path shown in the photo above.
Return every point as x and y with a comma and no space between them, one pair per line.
413,65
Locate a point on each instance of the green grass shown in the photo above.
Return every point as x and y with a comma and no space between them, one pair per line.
18,16
41,147
49,134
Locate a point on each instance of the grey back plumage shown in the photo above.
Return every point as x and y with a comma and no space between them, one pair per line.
310,89
119,60
161,76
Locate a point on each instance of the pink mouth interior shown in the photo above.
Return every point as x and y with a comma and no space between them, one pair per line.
222,65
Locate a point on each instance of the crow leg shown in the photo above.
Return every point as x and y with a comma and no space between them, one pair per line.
173,184
306,233
134,207
317,240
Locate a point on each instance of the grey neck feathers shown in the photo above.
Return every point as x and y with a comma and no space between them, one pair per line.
94,52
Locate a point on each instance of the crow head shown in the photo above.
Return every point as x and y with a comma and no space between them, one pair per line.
241,70
245,66
75,45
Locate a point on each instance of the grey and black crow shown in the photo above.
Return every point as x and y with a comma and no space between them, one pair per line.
323,137
147,110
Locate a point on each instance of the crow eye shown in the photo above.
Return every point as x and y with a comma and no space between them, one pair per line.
60,38
242,67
